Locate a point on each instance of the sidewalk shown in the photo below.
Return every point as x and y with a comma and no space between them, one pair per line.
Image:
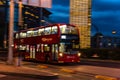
25,71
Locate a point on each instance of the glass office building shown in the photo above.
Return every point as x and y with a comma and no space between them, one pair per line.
30,17
80,15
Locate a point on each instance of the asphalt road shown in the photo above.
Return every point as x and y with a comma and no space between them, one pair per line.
83,71
66,71
102,63
14,77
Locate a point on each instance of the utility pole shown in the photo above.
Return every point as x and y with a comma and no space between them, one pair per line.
20,22
11,27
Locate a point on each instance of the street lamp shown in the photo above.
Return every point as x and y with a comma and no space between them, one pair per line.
20,14
11,27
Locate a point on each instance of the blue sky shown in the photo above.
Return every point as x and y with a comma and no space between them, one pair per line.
60,10
105,14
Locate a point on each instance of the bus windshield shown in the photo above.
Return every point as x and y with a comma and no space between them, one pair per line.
69,48
69,42
65,29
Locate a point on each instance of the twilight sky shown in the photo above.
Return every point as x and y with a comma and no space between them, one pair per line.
105,14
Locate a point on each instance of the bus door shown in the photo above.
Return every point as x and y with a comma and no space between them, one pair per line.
55,52
32,52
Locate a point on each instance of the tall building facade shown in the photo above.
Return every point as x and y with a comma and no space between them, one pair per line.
30,17
80,15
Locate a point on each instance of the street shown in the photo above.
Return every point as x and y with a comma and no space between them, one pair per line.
12,77
87,69
81,71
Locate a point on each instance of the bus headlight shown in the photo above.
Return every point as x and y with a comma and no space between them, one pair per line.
61,54
79,54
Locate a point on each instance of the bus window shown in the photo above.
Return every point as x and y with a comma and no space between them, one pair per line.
73,30
68,29
62,47
29,33
62,28
35,33
47,30
54,30
46,48
22,35
38,48
75,46
27,48
22,47
54,51
42,49
41,32
16,35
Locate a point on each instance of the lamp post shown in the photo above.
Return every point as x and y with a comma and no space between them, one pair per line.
20,14
11,26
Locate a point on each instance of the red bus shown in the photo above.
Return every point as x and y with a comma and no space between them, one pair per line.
53,43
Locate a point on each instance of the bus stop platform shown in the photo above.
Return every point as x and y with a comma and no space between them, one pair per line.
25,71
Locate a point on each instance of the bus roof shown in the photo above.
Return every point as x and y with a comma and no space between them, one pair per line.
30,29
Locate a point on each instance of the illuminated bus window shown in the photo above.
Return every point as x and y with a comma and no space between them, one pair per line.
63,28
47,30
16,35
62,47
42,48
29,33
22,47
73,30
35,33
54,29
46,48
68,29
22,35
38,48
41,32
27,48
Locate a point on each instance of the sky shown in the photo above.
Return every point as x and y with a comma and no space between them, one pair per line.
105,14
60,11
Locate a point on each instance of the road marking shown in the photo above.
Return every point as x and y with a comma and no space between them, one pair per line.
67,70
42,66
101,77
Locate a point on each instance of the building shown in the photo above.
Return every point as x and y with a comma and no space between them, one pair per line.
80,15
101,41
34,16
31,17
3,22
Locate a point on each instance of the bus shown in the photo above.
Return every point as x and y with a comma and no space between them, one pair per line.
52,43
